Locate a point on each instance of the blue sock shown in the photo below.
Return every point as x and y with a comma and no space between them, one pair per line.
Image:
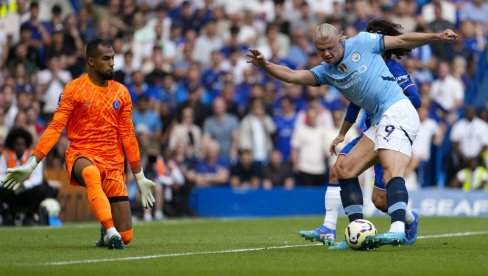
397,199
352,198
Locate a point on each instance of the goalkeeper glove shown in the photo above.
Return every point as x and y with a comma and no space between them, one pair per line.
145,186
16,176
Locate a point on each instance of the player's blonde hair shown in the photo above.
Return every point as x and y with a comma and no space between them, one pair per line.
325,30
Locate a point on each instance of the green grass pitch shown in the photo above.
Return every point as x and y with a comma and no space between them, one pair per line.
267,246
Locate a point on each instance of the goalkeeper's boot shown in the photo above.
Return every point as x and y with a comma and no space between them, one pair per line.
321,233
411,230
393,238
115,242
101,241
340,246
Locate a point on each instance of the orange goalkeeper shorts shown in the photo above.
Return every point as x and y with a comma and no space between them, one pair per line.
113,179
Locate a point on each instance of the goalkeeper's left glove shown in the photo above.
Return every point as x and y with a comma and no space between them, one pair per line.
145,186
15,177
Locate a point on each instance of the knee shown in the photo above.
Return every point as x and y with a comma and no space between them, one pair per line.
126,236
333,178
91,175
342,170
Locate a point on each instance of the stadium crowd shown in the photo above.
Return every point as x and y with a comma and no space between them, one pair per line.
205,117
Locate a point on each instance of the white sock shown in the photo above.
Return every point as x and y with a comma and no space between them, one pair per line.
397,226
110,232
333,204
409,218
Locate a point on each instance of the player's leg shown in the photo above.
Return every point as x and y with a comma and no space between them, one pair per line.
361,157
394,137
327,231
116,191
379,199
122,216
88,175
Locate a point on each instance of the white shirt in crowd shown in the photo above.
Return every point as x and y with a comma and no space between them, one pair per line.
51,96
311,143
429,128
447,92
472,136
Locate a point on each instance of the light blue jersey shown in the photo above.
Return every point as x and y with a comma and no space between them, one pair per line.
362,76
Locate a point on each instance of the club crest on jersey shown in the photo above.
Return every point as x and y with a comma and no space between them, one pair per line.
116,104
356,57
343,68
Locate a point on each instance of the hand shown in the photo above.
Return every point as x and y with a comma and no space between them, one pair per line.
339,139
16,176
448,35
145,186
256,58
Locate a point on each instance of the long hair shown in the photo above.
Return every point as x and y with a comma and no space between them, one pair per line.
386,27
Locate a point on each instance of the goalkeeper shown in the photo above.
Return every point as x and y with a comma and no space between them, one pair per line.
97,114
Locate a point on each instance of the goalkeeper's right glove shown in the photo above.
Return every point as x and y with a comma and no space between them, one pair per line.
145,186
16,176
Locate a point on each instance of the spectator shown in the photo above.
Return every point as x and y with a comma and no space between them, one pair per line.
469,139
200,111
473,177
447,94
285,122
440,50
430,133
143,115
34,190
246,173
223,128
186,133
255,132
448,11
207,43
211,169
309,150
51,82
277,173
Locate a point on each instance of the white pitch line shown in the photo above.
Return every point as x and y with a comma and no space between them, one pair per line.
448,235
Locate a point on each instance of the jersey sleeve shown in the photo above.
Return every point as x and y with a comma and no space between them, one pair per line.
374,42
51,135
319,74
405,82
126,131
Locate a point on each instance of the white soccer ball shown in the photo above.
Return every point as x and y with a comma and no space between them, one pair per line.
357,231
52,206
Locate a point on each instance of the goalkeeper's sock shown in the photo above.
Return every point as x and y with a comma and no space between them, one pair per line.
127,236
332,205
96,197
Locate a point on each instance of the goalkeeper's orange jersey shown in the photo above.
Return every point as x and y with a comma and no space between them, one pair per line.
98,122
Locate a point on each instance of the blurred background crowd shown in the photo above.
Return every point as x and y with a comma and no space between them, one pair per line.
204,117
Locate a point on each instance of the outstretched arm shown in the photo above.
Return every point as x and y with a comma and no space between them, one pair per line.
412,40
280,72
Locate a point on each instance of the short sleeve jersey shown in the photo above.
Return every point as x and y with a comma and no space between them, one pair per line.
362,76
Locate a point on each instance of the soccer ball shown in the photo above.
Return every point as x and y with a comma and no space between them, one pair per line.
357,231
52,206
